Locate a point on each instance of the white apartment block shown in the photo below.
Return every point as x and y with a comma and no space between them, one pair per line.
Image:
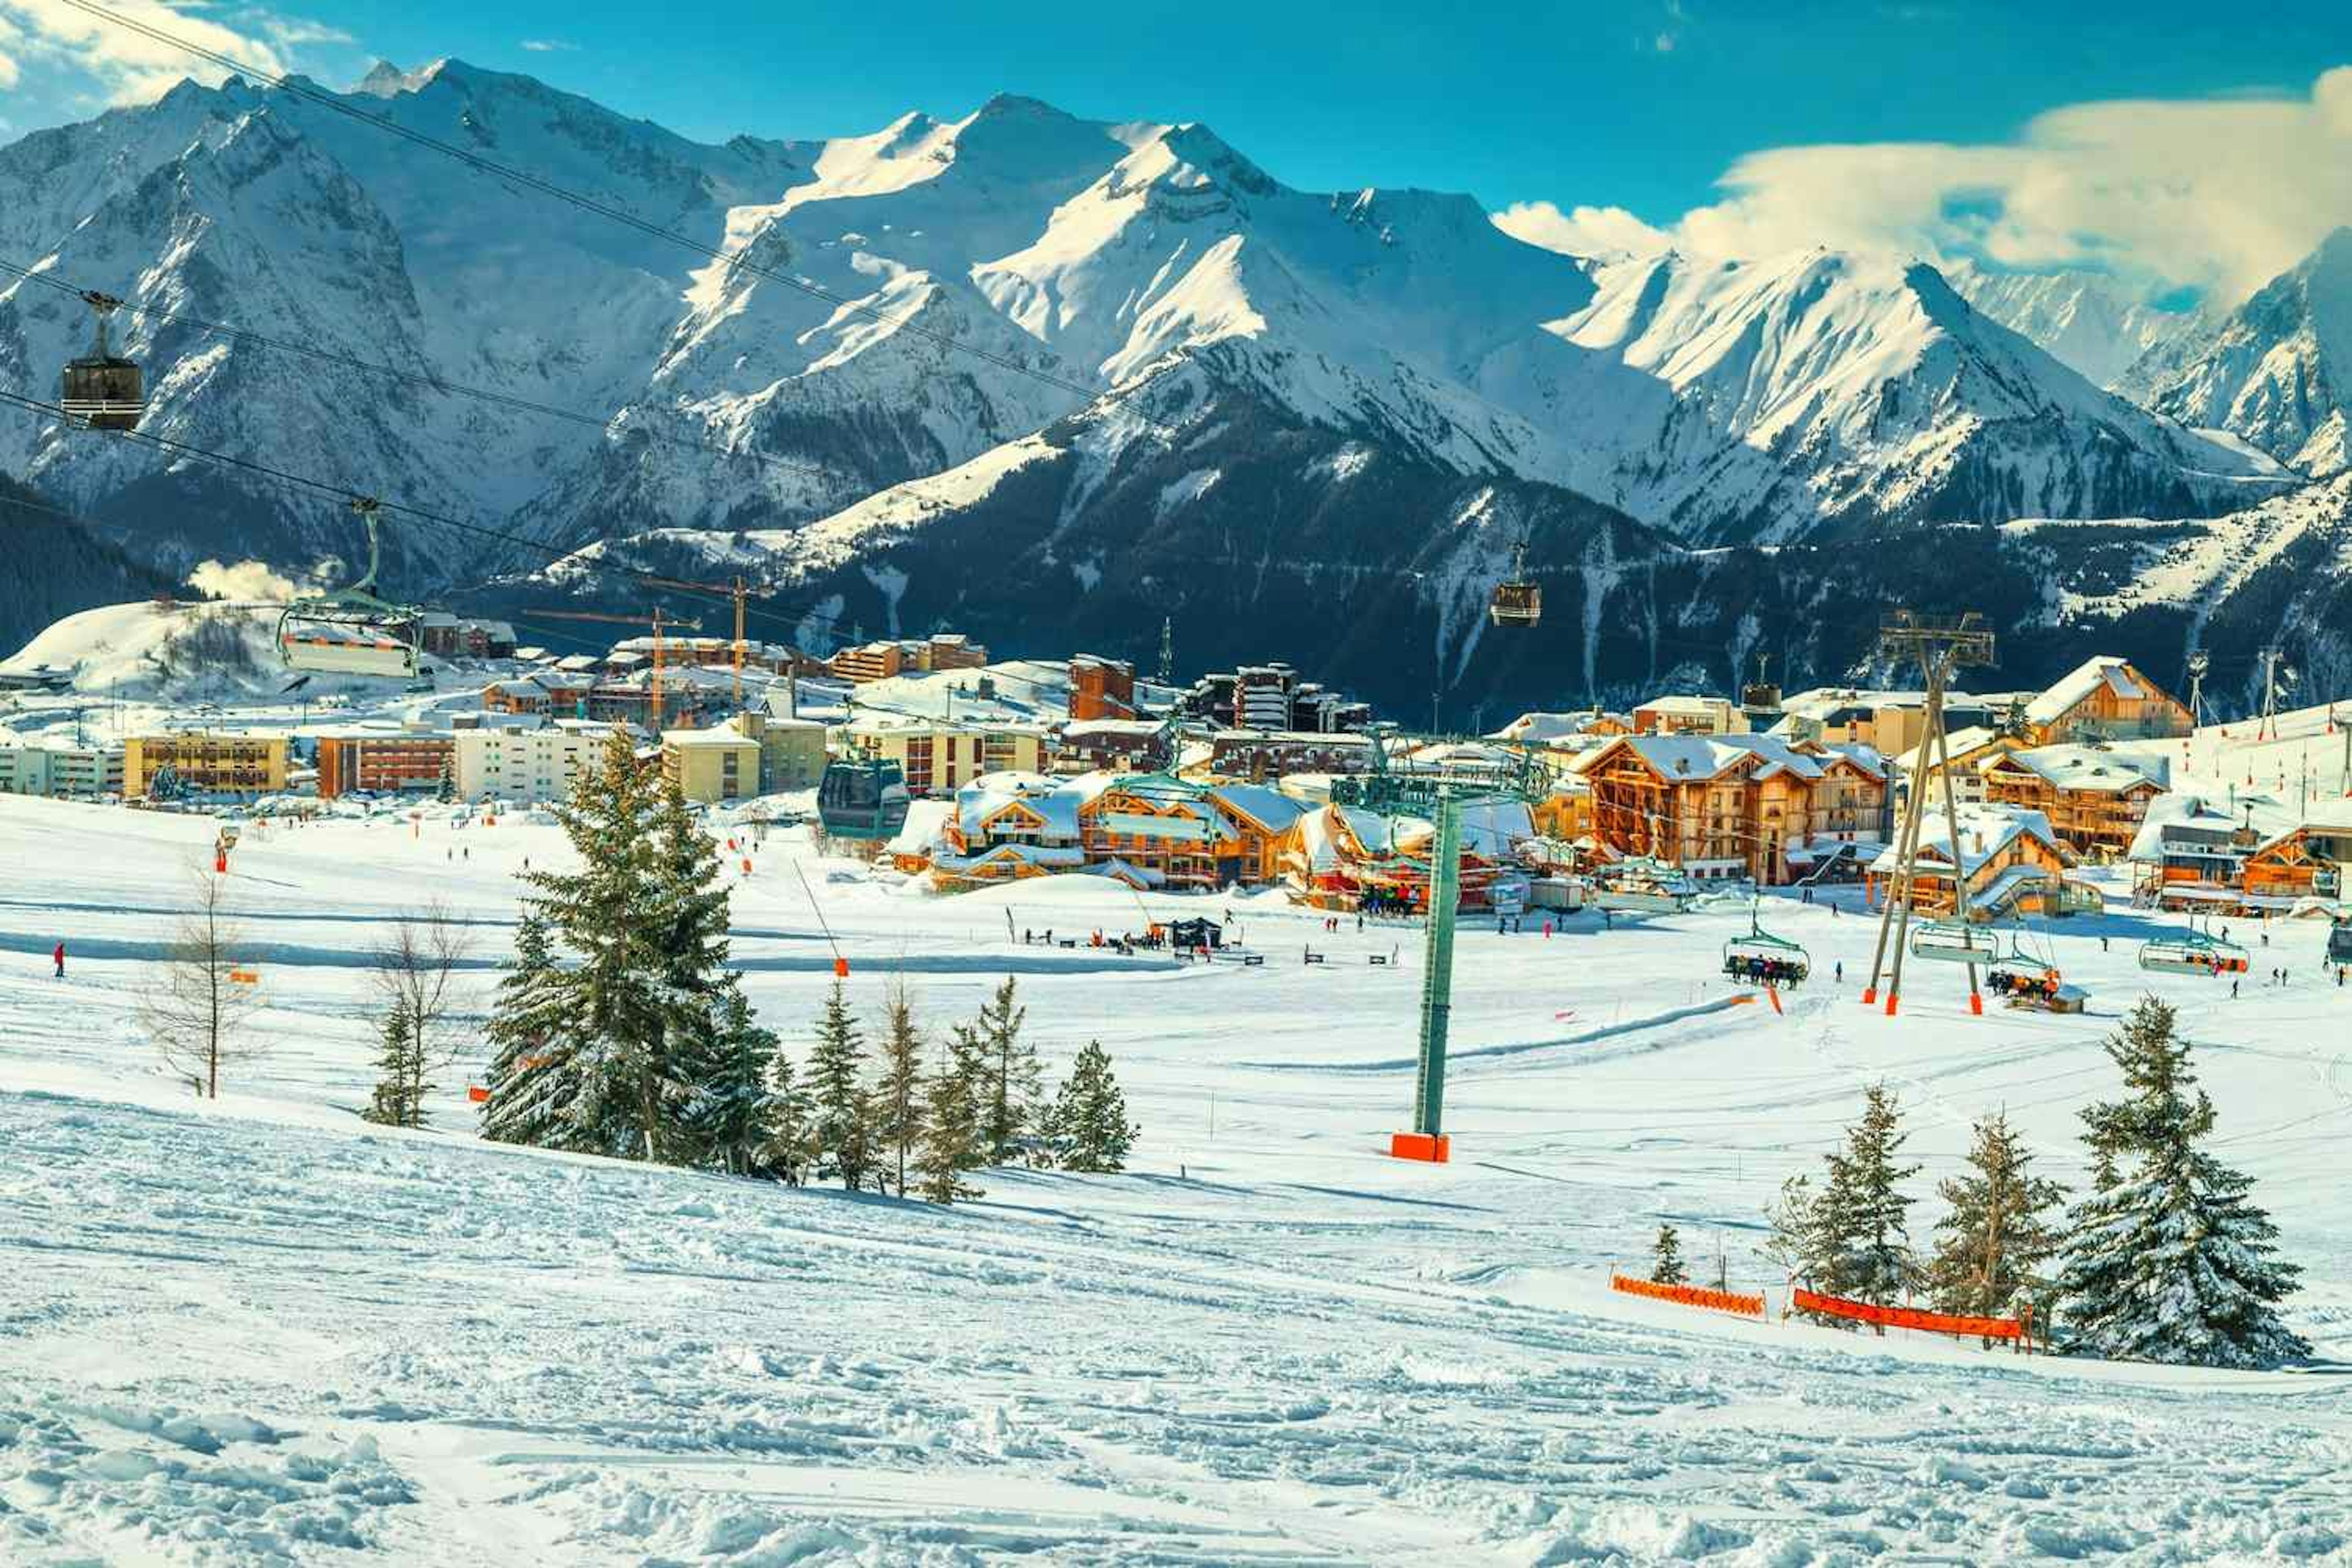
527,765
56,770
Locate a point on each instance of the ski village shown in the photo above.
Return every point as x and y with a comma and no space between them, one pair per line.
892,946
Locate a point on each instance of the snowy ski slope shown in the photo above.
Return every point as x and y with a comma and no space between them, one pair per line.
259,1332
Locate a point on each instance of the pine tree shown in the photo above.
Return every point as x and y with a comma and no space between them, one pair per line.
686,917
622,1100
1865,1208
733,1104
968,1063
1991,1245
447,792
1015,1082
2172,1263
896,1110
399,1099
1087,1127
1666,1258
843,1136
1790,1233
950,1143
533,1079
786,1134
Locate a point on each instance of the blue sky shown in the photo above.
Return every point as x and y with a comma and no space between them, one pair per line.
1638,105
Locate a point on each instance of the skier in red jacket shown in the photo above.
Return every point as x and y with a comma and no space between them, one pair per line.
59,957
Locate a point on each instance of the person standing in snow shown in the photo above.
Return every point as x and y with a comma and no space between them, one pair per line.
58,958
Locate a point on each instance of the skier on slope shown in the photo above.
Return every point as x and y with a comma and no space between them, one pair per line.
57,957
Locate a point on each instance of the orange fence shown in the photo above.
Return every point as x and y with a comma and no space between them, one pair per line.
1691,1296
1806,1301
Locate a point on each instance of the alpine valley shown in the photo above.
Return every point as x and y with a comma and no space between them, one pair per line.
1053,381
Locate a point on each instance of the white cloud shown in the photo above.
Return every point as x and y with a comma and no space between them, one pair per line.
2220,195
9,73
550,46
2215,194
246,580
126,66
1581,231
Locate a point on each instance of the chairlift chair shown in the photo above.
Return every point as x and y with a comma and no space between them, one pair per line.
1762,957
2192,952
349,630
1954,942
1518,600
102,390
2024,979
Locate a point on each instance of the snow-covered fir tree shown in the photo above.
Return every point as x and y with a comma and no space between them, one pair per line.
896,1106
967,1062
1015,1086
1864,1208
2174,1262
1994,1240
842,1135
1792,1235
1666,1258
734,1102
785,1150
399,1097
533,1078
950,1141
1087,1127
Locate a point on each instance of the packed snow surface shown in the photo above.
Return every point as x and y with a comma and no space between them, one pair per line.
258,1331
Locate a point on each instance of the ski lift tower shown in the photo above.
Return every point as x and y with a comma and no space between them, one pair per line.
1938,644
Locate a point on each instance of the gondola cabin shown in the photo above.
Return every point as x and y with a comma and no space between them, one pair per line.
1517,602
101,390
862,799
2339,942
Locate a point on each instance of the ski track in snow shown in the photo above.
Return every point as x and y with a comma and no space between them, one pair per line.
260,1332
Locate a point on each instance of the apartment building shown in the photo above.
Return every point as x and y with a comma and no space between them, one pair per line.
382,762
527,764
203,763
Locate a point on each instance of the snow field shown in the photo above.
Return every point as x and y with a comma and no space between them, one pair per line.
260,1331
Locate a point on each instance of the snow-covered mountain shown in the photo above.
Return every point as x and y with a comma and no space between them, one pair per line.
2086,321
2276,371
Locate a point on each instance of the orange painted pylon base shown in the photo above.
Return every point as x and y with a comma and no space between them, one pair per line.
1436,1149
1869,995
1890,1003
1976,1003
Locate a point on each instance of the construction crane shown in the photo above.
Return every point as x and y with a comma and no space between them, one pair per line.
659,623
737,590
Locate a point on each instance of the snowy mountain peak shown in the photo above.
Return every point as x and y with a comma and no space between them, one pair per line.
385,79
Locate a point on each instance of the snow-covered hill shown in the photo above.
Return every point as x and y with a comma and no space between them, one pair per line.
178,653
2277,371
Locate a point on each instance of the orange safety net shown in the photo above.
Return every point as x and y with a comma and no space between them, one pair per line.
1906,1317
1691,1296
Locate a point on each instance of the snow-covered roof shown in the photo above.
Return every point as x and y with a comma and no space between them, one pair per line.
2070,690
2100,769
926,821
1262,803
1986,833
1706,756
1687,705
1080,729
1535,729
1957,745
2169,816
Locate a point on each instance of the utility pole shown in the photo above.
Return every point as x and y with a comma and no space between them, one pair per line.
2198,663
2268,728
1938,644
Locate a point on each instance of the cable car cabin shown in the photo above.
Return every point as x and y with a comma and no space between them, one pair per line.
104,394
1520,601
347,648
2192,952
862,799
2339,942
102,391
1761,959
1953,942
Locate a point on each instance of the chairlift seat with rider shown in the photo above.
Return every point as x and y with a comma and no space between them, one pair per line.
1761,958
101,389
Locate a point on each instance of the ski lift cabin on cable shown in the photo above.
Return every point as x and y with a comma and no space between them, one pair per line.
862,799
350,631
100,390
1517,602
